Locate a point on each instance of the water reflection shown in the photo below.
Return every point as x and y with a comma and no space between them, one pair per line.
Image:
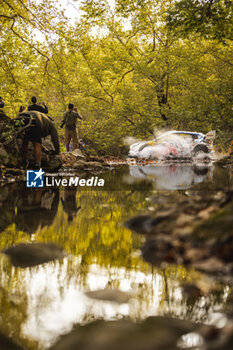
28,209
69,202
52,297
173,176
191,340
40,303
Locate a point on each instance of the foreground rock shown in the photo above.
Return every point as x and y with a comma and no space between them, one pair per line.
32,254
195,231
7,344
155,333
113,295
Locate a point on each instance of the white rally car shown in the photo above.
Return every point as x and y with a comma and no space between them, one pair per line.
174,144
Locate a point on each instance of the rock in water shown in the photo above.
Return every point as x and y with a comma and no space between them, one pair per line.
7,344
139,223
157,251
114,295
155,333
78,154
32,254
143,223
191,291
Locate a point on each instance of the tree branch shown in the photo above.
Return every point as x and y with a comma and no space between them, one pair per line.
97,78
35,17
221,59
25,41
100,98
129,120
8,17
129,71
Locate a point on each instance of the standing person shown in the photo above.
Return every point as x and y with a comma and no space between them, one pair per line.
36,107
70,122
42,126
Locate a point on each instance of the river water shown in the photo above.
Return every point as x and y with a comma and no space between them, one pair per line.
38,304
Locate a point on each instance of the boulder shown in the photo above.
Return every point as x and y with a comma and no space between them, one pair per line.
155,333
113,295
32,254
78,154
68,159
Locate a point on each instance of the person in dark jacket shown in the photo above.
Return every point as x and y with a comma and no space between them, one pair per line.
36,107
41,126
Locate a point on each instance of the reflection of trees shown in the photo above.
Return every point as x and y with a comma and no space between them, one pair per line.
13,304
6,206
98,232
57,280
178,304
197,310
102,249
97,235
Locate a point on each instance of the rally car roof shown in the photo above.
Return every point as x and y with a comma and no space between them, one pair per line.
198,134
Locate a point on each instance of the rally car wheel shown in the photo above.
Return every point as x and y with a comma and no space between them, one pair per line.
200,150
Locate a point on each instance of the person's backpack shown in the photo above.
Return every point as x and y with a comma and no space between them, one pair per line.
70,121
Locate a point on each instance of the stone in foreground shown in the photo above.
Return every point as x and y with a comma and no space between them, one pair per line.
113,295
8,344
155,333
32,254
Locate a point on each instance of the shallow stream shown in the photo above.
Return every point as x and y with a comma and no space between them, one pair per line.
39,303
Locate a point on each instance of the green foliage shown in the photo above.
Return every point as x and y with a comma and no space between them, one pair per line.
211,18
125,69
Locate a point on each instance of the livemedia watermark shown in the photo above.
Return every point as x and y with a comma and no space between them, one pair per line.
36,179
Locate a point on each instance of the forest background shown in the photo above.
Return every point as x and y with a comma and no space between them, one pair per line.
130,66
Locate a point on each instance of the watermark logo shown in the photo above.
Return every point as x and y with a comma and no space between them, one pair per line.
35,178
